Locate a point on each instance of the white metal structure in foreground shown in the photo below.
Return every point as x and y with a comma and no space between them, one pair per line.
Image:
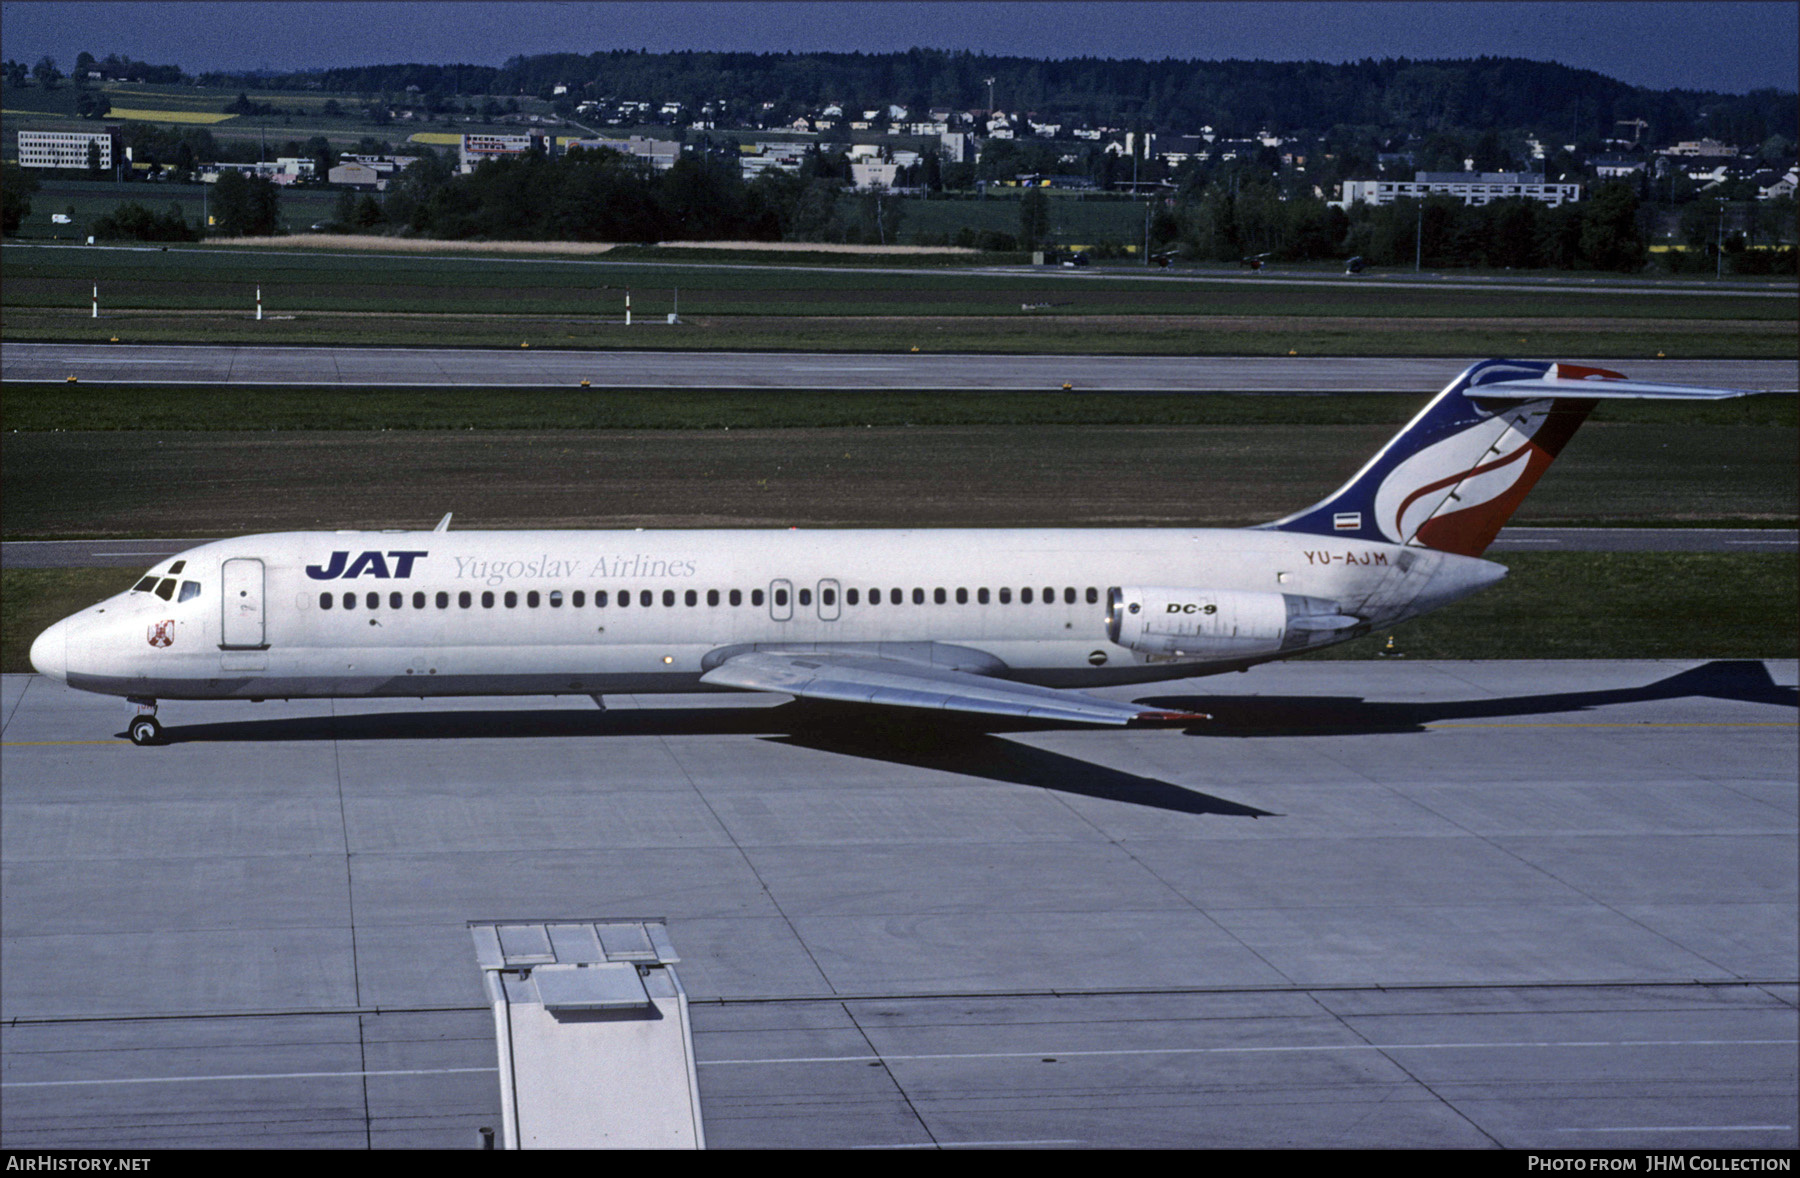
596,1051
1001,621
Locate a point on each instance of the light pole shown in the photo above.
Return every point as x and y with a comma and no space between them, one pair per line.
1719,269
1419,239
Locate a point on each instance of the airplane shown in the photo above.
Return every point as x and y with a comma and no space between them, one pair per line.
1010,622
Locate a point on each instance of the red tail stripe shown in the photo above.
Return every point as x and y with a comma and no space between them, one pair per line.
1400,513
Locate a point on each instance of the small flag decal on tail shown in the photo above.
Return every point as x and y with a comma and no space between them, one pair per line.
1347,521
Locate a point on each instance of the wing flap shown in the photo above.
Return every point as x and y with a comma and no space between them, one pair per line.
902,683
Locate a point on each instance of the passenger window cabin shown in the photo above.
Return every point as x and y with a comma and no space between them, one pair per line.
168,588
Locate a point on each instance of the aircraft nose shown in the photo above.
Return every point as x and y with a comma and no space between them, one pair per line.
50,651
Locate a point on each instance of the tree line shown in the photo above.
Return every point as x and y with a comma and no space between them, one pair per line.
590,194
1604,231
604,196
1170,96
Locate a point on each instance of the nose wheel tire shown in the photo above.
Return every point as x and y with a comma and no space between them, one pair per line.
145,730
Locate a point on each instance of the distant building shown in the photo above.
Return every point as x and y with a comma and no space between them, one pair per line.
477,148
356,176
282,172
1472,188
864,176
384,165
1612,167
67,149
1770,185
1179,149
756,158
1705,147
662,153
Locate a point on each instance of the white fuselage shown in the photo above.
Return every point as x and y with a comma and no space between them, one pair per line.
590,612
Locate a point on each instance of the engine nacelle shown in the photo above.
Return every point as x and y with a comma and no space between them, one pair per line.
1220,623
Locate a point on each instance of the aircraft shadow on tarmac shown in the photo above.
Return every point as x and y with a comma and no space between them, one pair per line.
971,745
1335,715
951,743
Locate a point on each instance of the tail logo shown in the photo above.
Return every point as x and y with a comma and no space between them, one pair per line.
1455,494
1453,477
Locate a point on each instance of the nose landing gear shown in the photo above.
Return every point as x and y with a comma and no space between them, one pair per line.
144,729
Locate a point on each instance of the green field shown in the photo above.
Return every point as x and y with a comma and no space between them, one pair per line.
303,114
202,277
63,407
194,482
206,295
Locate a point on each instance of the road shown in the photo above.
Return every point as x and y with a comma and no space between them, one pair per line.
540,368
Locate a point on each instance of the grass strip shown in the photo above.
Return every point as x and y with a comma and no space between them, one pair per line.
1019,334
58,484
37,408
191,282
1612,605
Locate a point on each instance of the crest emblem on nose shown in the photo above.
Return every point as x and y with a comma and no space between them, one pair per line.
162,633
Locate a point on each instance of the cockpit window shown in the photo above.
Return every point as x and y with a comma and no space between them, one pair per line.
165,588
145,585
177,567
189,590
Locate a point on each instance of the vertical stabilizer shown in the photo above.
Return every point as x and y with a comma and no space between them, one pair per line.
1452,478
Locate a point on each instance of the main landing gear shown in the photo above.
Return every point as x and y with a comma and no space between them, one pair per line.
144,729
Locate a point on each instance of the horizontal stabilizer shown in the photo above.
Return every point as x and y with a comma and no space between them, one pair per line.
870,679
1600,390
1586,383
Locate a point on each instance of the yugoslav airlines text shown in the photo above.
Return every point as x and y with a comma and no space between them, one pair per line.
498,572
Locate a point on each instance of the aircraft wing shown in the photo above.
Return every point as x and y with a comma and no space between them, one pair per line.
906,683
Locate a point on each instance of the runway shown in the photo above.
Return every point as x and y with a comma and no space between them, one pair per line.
543,368
1511,904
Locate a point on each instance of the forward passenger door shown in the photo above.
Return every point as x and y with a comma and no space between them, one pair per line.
241,625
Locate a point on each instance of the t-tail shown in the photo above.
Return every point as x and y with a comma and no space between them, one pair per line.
1452,478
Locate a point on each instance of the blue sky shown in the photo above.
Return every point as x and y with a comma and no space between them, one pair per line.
1726,46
